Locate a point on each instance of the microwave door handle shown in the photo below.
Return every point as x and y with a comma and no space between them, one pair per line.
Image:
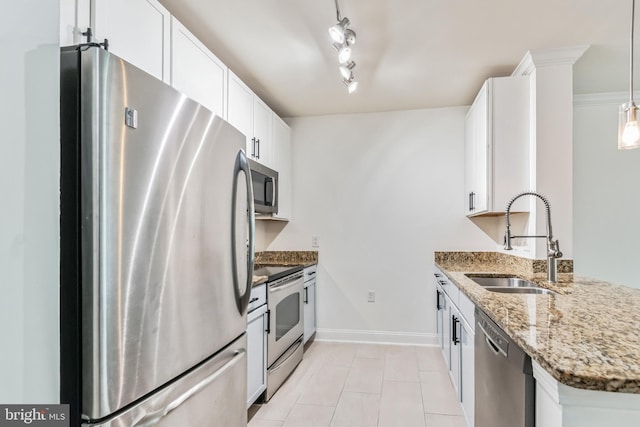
242,166
275,194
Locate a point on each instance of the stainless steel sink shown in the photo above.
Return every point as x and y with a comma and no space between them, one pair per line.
509,285
532,290
509,282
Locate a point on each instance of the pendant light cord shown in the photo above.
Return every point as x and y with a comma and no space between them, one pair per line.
340,17
633,9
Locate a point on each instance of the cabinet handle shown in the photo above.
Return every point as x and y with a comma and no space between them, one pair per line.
454,330
472,199
258,143
438,306
253,147
437,274
268,321
442,282
306,295
252,300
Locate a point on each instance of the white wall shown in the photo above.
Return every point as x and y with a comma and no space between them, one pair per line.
29,217
606,194
382,191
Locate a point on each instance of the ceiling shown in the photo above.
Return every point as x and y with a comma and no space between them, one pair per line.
409,53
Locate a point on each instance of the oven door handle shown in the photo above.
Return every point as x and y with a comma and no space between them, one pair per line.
286,284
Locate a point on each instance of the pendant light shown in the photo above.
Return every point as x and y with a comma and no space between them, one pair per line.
628,127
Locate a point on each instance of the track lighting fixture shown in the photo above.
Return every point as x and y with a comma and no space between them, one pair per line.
343,38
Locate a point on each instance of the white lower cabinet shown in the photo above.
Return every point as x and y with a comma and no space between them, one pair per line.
309,302
455,321
454,367
256,353
467,362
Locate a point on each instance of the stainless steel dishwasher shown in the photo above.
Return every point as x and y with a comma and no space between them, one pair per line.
504,386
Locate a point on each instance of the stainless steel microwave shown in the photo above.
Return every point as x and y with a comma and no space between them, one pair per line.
265,188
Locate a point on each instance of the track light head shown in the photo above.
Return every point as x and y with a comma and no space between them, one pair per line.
345,70
351,84
337,32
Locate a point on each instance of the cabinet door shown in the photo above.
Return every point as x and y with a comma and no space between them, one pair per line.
446,329
196,71
74,20
481,152
440,309
309,310
281,161
138,31
469,169
467,371
256,354
454,367
262,122
240,110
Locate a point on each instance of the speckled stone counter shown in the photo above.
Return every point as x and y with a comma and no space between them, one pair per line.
586,337
285,258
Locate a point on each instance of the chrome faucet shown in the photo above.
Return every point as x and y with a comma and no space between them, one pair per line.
553,247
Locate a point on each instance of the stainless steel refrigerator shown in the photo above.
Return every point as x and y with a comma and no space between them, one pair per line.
156,251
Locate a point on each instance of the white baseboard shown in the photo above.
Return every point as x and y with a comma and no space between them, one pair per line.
377,337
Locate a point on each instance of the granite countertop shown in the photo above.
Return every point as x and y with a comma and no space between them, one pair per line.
587,336
286,258
282,258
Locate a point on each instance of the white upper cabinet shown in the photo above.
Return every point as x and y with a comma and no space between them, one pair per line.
497,145
74,20
196,71
281,161
262,123
138,31
240,109
252,117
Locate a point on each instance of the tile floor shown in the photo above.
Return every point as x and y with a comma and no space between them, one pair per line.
364,385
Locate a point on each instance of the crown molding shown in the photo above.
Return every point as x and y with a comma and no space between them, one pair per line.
604,98
549,57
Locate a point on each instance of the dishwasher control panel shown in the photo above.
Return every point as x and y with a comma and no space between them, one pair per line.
492,331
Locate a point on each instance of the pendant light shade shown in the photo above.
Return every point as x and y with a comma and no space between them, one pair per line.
628,129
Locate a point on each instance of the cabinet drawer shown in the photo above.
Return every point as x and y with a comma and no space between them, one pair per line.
310,272
449,288
258,297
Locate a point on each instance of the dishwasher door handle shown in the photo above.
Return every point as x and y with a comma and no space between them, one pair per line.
495,349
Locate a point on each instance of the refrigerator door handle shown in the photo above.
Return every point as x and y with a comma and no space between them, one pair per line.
242,166
156,417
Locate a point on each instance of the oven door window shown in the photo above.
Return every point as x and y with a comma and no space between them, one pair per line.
287,314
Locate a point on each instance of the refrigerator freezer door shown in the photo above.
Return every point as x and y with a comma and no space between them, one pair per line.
212,395
160,291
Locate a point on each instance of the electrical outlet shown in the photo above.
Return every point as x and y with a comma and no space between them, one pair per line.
315,241
371,296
